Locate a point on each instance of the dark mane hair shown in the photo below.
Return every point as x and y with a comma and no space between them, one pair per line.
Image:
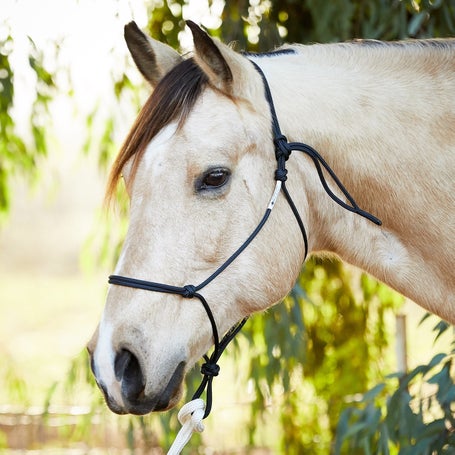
172,99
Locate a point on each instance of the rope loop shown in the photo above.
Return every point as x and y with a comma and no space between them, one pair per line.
190,416
210,369
189,291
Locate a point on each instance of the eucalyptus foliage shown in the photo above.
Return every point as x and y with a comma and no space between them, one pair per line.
406,414
260,25
326,341
19,154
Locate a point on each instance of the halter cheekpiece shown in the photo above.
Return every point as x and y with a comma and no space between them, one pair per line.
283,150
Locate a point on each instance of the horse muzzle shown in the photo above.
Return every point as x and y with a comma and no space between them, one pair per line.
124,384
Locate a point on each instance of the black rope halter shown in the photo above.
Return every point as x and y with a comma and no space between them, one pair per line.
283,150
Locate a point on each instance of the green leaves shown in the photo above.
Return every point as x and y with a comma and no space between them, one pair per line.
18,155
323,343
417,417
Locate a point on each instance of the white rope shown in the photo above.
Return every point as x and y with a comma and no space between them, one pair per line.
190,416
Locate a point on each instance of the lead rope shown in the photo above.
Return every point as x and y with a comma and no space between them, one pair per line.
192,413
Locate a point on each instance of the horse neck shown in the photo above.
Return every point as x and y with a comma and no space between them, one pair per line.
374,113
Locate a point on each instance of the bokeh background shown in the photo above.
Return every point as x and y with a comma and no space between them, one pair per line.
327,371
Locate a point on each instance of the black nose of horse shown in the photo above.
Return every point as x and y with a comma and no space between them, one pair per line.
132,380
128,372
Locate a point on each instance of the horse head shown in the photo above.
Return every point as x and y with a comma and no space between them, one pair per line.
198,165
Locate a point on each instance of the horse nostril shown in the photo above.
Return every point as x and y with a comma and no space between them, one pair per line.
128,372
122,360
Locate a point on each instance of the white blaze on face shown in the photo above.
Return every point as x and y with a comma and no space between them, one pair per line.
105,354
104,360
158,145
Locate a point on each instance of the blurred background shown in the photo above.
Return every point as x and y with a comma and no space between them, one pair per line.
343,365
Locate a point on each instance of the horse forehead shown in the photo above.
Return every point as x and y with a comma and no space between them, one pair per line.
213,122
217,118
215,125
158,148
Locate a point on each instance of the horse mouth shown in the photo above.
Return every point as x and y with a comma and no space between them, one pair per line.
136,401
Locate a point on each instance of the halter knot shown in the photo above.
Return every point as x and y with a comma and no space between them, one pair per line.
282,148
281,175
210,369
189,291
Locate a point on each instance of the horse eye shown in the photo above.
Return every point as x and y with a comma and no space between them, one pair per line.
213,179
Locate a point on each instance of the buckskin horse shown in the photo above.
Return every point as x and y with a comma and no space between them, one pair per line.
209,157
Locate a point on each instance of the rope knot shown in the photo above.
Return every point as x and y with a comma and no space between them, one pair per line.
189,291
281,174
190,416
210,369
282,149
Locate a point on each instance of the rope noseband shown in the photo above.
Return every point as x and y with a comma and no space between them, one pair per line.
210,368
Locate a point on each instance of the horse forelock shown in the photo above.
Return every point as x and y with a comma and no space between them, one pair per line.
172,100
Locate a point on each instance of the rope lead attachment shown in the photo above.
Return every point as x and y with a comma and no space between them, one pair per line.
190,416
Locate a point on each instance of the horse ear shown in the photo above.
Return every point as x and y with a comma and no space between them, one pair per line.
210,59
152,58
227,70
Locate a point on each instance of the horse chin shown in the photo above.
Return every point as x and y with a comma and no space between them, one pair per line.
145,406
144,403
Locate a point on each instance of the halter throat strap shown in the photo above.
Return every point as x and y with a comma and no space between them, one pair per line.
283,150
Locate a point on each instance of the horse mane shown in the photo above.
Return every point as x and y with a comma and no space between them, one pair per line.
379,53
172,99
432,43
175,95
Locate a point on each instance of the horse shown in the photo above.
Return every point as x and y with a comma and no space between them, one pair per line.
199,166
